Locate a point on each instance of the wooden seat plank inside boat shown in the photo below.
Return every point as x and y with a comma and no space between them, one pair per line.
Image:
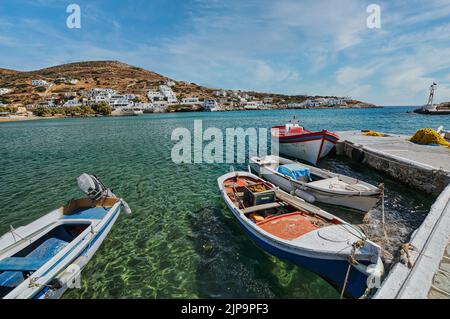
291,226
257,208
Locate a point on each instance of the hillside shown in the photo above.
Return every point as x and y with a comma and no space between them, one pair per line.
101,74
119,76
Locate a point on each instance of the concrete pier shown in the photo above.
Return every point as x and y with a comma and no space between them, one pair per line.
425,271
426,168
428,275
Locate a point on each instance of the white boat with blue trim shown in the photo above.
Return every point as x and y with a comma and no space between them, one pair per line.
315,184
289,228
44,258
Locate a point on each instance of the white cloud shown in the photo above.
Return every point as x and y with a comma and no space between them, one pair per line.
339,24
348,74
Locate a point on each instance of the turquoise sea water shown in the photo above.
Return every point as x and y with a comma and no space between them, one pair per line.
180,241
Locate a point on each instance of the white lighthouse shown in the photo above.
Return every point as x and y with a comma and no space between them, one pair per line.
430,105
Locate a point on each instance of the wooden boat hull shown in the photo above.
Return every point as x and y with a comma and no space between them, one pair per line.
330,266
361,201
307,147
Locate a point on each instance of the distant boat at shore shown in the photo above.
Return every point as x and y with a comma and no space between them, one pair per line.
127,112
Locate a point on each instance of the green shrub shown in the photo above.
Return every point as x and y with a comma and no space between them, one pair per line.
41,89
8,108
42,111
86,110
102,108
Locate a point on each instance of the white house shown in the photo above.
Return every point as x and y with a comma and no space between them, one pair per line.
39,82
72,81
143,106
4,91
160,105
72,103
210,104
120,103
336,101
190,101
168,94
130,96
154,95
47,103
101,98
221,93
252,105
96,91
268,100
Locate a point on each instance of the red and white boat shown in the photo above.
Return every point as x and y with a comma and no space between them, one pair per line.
295,141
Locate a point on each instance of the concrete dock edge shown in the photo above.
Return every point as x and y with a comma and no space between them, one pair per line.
429,241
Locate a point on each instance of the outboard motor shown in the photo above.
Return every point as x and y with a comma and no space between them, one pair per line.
93,187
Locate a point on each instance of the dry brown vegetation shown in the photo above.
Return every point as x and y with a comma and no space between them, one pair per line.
119,76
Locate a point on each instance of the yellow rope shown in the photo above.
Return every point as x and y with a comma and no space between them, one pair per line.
429,136
374,133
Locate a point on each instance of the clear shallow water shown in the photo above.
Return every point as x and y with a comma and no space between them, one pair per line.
181,241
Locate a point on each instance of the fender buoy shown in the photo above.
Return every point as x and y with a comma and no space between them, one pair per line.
357,155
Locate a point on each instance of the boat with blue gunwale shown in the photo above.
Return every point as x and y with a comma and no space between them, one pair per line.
289,228
314,184
45,258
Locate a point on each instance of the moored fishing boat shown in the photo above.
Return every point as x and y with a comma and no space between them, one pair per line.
44,258
306,235
295,141
315,184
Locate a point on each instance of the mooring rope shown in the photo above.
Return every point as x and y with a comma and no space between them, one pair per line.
405,256
351,261
383,217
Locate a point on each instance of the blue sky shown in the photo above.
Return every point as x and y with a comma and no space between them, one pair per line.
286,46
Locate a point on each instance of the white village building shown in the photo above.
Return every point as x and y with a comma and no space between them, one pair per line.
221,93
162,105
268,100
210,104
154,95
190,101
252,105
4,91
168,94
72,103
39,83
